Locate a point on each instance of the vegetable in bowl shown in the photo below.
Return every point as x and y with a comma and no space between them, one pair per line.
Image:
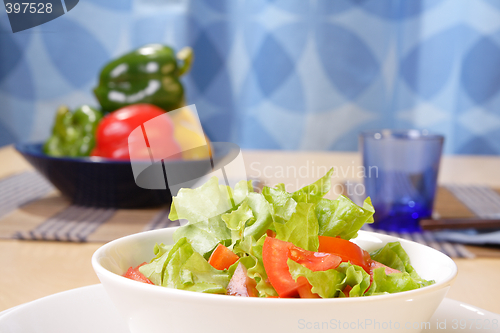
132,89
149,74
275,244
73,133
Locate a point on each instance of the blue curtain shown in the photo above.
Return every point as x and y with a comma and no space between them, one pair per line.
282,74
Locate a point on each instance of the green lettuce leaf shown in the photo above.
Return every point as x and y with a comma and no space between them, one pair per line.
237,219
261,210
315,191
241,191
301,229
331,283
282,203
356,277
154,270
199,275
183,268
326,284
208,209
250,252
205,235
393,255
342,217
251,219
202,203
392,283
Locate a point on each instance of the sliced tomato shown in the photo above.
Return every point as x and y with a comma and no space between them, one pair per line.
315,261
134,274
304,288
240,284
366,257
348,251
275,254
222,258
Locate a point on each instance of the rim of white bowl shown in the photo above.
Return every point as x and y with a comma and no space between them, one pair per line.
148,288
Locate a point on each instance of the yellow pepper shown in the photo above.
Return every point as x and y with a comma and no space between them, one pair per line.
188,134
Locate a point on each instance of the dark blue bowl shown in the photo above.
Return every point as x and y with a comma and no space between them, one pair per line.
109,183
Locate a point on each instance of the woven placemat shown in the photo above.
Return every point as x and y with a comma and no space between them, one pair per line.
20,189
31,209
455,202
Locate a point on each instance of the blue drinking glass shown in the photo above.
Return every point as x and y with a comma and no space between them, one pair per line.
401,169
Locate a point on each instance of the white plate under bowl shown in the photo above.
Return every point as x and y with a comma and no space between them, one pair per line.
81,310
89,309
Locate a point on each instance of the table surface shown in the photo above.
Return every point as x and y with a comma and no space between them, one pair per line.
33,269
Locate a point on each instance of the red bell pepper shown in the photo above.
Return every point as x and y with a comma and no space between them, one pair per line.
156,140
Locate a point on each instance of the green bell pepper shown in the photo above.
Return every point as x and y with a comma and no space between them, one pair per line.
73,133
149,74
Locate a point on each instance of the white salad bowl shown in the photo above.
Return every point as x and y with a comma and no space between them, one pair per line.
152,309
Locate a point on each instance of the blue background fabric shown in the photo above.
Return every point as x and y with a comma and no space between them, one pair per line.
277,74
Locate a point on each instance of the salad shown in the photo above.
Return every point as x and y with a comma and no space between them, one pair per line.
274,244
